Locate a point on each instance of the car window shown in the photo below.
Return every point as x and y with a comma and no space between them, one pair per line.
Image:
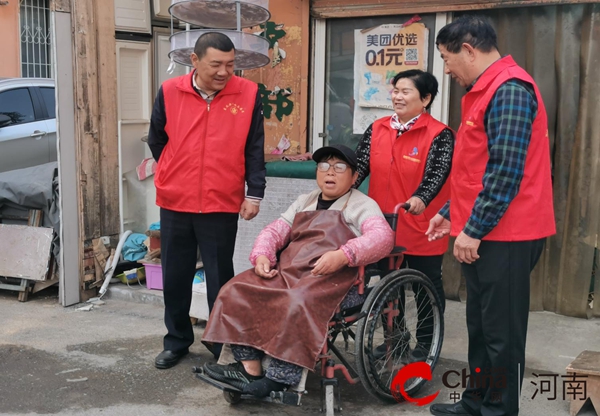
48,96
17,105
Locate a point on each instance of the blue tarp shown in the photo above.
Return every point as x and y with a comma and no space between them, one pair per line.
134,248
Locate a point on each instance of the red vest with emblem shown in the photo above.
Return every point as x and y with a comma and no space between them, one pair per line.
397,166
530,215
202,167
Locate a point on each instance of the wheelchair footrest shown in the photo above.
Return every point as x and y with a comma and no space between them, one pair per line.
281,397
216,383
285,397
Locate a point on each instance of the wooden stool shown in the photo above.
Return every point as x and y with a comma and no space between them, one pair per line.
586,364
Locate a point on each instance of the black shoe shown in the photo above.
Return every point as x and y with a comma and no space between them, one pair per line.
400,347
420,353
233,374
448,409
263,387
168,358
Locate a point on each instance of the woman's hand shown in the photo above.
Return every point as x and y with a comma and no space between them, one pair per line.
263,268
439,227
417,206
330,262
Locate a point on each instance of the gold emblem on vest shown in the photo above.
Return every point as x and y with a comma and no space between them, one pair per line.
233,108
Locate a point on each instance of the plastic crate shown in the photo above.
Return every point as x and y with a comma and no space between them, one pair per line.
132,276
154,278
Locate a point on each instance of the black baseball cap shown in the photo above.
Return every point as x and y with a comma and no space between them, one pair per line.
342,152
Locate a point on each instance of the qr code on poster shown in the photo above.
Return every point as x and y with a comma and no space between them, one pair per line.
411,56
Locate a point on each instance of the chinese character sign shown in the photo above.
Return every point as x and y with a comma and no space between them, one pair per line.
384,51
380,53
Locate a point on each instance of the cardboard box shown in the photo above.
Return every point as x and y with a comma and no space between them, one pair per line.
154,243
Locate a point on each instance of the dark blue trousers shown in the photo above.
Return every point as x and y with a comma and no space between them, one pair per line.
181,234
497,315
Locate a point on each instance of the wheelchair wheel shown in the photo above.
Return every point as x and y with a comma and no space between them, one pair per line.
232,397
403,324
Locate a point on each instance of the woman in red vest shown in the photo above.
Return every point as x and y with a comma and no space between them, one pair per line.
408,156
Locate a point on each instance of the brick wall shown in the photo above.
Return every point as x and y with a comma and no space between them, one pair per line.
279,195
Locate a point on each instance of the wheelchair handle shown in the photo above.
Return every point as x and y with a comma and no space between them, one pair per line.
403,205
392,219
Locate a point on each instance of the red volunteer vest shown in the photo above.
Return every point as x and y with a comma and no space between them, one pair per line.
530,215
202,167
397,166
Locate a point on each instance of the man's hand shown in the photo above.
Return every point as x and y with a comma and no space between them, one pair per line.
330,262
417,206
465,248
439,227
263,268
249,209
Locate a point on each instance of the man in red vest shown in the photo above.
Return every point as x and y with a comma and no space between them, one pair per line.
207,135
500,210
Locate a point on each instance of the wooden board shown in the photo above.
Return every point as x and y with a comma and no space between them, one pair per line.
25,251
95,83
588,362
324,9
96,116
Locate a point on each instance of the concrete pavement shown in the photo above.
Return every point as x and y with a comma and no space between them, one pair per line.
63,361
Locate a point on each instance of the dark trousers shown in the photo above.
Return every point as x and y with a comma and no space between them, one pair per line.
431,266
181,234
497,315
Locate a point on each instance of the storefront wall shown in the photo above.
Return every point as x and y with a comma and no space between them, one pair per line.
10,64
284,81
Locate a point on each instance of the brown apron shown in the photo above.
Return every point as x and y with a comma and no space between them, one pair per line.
287,317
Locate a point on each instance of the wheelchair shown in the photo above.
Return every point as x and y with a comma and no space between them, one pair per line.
400,321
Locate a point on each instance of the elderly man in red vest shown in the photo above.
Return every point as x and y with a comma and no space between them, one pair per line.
207,135
500,210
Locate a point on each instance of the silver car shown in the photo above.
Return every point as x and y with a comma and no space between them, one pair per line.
27,122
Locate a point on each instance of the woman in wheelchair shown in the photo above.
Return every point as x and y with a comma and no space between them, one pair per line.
282,307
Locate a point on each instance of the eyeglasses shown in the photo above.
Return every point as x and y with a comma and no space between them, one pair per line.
337,168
